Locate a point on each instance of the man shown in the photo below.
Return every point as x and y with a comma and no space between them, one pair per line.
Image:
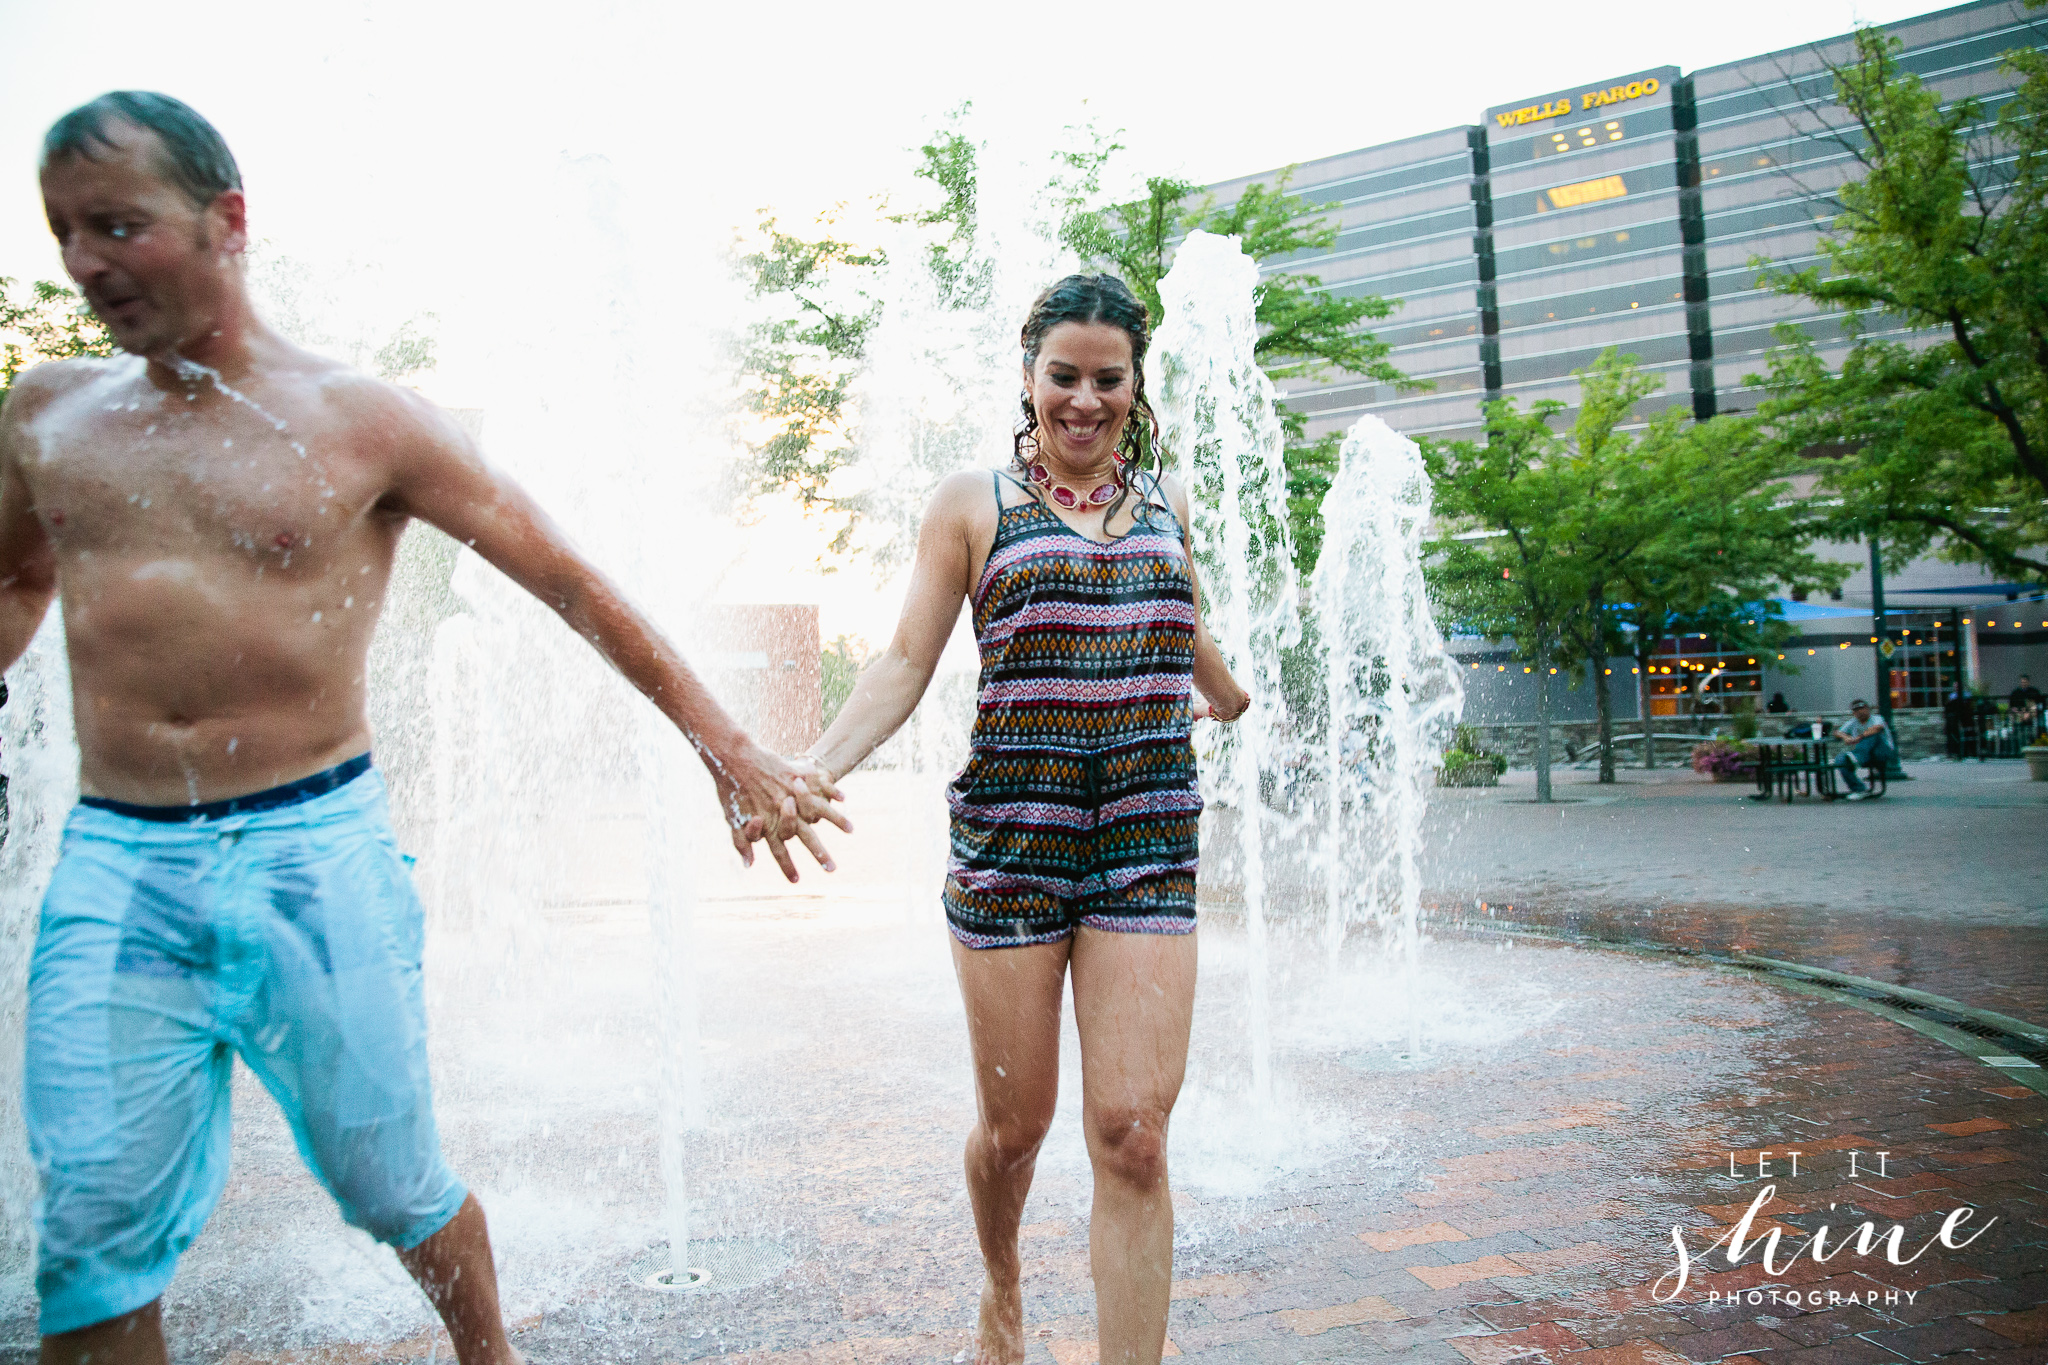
1867,738
2025,701
218,511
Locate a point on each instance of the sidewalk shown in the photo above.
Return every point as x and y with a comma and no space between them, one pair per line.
1941,885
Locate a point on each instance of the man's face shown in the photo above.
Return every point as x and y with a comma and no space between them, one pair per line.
1862,713
155,267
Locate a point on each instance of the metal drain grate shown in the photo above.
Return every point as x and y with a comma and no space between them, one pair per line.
2015,1043
727,1265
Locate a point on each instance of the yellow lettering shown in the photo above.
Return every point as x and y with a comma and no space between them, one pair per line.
1635,90
1650,86
1588,192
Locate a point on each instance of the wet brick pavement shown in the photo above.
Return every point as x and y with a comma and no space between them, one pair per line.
1529,1244
1942,885
1514,1201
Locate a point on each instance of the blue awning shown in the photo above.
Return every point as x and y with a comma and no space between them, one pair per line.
1814,611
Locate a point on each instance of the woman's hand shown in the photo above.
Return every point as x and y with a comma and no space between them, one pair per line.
1204,709
767,796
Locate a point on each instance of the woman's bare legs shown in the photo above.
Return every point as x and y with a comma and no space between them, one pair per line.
1134,1000
1013,1025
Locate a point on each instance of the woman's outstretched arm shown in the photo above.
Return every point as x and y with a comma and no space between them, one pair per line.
962,513
1225,698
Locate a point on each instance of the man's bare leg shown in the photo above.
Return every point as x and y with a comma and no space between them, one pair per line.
1013,1025
135,1338
1134,998
454,1269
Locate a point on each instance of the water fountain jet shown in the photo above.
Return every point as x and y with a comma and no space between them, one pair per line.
1216,410
1391,691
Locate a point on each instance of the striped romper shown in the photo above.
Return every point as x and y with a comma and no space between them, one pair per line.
1079,801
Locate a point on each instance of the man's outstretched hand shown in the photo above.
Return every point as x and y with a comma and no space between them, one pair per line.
767,796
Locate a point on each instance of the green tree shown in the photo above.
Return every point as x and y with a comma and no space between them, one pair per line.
1502,561
1730,538
1614,520
1305,331
1581,545
840,663
796,369
1940,440
799,369
52,324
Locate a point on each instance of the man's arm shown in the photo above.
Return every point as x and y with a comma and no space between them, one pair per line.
439,476
28,562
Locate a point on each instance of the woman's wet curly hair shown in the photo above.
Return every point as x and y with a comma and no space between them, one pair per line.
1091,299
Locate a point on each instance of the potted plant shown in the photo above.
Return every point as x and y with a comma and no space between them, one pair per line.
1465,764
1724,760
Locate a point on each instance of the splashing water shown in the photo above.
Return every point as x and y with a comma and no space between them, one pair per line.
42,772
1391,691
1216,409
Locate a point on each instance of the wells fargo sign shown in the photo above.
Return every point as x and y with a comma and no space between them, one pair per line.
1581,101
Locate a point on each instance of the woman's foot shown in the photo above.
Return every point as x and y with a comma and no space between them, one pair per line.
999,1340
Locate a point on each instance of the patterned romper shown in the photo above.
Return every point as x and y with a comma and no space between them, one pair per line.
1079,801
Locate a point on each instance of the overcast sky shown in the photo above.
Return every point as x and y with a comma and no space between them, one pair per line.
385,121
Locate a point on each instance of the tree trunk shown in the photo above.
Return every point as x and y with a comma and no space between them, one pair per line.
1596,661
1543,722
1606,705
1643,709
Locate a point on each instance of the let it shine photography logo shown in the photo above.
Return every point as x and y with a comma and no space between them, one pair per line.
1869,1251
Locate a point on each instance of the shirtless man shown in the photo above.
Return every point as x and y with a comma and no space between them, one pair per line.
218,510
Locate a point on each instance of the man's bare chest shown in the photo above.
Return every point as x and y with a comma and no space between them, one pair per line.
149,477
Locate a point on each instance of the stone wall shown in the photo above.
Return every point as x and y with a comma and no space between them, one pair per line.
1920,735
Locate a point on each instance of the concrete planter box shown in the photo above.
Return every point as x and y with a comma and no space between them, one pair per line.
2037,761
1472,775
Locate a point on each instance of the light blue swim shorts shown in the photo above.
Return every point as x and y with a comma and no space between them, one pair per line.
280,927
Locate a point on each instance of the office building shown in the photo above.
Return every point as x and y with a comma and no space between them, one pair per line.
1622,213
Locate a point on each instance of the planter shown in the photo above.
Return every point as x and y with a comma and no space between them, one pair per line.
1472,775
1745,775
2037,761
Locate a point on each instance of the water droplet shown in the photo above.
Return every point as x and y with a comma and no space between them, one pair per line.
233,743
347,602
316,618
228,444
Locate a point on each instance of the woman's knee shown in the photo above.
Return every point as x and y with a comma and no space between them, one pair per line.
1015,1139
1128,1144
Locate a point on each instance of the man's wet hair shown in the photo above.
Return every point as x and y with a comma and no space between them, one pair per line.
194,156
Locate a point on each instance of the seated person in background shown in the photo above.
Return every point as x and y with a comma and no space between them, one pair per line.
1868,739
1777,705
2025,700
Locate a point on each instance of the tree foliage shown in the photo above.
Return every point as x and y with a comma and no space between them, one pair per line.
1305,331
1940,438
796,368
51,324
1581,544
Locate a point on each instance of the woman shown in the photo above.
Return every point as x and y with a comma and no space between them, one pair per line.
1073,824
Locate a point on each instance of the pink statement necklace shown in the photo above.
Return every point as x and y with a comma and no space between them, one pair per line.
1067,497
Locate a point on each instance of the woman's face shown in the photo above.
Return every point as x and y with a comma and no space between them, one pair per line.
1082,389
